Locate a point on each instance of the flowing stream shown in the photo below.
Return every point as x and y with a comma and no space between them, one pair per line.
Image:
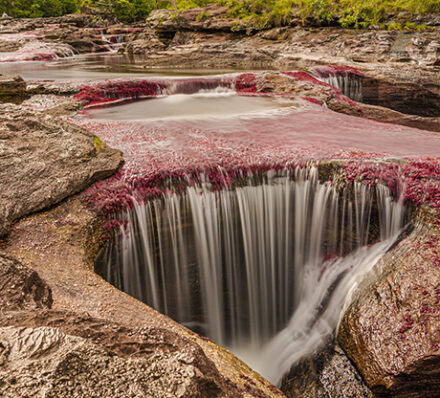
260,268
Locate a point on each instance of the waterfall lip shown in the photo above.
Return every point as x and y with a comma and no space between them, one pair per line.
346,79
248,246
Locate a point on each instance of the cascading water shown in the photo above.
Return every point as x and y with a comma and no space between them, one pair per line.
246,265
38,51
113,42
348,83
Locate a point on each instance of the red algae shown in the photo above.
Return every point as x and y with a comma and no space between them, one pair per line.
113,91
336,70
110,91
167,156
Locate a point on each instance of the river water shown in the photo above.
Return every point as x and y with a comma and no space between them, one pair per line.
262,280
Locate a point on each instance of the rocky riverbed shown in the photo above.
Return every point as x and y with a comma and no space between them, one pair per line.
362,106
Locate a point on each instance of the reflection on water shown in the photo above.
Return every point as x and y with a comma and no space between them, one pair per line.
221,102
93,67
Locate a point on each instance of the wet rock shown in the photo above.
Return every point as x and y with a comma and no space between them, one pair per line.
12,88
21,287
402,68
327,374
391,329
43,160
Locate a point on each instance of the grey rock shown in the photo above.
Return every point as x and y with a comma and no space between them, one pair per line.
327,374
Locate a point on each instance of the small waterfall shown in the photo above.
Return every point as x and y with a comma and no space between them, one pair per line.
38,51
255,265
113,42
350,84
219,85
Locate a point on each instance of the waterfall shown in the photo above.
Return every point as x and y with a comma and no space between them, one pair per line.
113,42
348,83
247,265
218,85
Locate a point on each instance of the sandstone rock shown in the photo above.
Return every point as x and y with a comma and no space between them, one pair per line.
15,25
43,160
391,329
146,42
45,362
21,287
401,68
387,115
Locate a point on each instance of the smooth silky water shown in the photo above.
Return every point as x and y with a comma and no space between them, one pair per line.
218,103
95,67
263,269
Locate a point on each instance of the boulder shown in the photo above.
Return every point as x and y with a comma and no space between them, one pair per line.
391,330
43,361
44,160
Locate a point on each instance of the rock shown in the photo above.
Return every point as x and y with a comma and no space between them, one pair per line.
384,114
44,361
327,374
212,18
62,354
12,89
391,329
402,68
147,41
21,287
15,25
44,160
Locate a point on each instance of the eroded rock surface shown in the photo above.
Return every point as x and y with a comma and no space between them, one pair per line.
50,353
21,287
44,361
391,329
43,160
326,374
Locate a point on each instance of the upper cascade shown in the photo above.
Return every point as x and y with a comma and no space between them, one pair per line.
347,80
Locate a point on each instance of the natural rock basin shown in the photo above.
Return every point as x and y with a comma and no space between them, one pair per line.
219,214
206,104
248,266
